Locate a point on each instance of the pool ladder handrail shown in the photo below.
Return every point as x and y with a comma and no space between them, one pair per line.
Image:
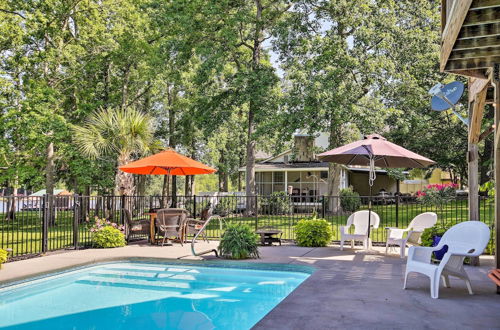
200,231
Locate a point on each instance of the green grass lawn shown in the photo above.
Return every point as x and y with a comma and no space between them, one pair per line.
24,234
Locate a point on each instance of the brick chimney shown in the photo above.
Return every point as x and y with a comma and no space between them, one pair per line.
303,148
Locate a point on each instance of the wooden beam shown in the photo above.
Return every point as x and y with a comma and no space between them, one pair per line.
495,79
473,63
476,116
482,4
486,133
478,73
476,86
474,53
486,30
477,43
443,14
482,16
456,15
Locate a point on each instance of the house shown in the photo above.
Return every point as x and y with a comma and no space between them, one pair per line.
298,172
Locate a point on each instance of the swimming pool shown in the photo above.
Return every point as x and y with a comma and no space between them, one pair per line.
144,295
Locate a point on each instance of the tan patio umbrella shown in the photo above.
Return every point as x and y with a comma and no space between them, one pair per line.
375,150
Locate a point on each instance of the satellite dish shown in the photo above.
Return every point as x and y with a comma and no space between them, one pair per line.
446,97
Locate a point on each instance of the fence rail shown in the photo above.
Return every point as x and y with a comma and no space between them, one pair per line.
34,225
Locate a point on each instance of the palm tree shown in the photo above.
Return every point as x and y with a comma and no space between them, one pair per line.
120,132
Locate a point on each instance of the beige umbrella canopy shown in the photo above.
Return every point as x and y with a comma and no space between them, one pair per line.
375,150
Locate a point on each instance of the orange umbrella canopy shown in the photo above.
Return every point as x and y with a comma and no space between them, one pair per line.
167,162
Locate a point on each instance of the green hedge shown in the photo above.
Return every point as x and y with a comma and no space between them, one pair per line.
313,233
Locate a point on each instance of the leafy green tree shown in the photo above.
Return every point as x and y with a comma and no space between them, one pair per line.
119,132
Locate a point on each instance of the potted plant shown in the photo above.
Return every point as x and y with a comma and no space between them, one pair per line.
432,236
239,242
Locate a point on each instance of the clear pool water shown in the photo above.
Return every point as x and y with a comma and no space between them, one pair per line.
138,295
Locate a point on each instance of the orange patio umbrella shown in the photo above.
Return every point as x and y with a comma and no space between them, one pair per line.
167,162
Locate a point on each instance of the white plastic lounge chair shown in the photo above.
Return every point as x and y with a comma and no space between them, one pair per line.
466,239
415,229
360,222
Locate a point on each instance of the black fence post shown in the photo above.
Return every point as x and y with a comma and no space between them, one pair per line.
256,209
194,206
76,217
45,223
323,207
122,206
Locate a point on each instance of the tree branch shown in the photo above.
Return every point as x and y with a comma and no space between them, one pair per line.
12,12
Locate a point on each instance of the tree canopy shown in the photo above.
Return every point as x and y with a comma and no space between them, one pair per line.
217,80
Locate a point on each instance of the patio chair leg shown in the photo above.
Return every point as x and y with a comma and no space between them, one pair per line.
352,244
163,242
341,245
406,278
446,281
469,286
434,287
386,247
402,251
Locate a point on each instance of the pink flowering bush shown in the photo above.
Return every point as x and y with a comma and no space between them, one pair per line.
437,194
107,234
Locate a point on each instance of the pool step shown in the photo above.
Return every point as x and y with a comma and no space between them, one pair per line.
183,288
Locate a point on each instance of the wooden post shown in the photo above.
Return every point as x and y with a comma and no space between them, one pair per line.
477,98
496,81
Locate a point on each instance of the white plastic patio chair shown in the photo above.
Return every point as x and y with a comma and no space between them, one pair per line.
415,229
466,239
360,222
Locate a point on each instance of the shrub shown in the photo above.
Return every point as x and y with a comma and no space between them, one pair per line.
106,234
349,200
276,203
239,242
313,233
429,233
437,194
3,257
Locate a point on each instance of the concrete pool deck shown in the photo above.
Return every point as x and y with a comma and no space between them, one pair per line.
350,288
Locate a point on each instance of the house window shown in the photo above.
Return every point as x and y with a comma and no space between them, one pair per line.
279,177
324,174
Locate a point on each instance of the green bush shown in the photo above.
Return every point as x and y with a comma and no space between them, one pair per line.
108,237
349,200
3,257
277,203
239,242
313,233
429,233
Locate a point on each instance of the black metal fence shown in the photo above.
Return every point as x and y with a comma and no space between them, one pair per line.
34,225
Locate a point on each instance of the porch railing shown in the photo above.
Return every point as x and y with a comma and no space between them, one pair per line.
34,225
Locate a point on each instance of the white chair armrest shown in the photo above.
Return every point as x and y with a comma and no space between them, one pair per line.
420,253
344,230
393,232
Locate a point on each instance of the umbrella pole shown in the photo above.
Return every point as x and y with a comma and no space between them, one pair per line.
371,179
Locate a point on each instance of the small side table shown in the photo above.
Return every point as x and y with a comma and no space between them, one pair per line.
267,236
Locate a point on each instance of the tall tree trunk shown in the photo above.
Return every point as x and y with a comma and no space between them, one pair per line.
124,181
49,184
223,175
171,140
334,170
252,109
11,207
